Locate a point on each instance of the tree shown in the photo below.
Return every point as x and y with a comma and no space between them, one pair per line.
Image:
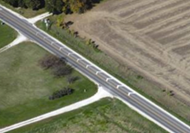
60,21
13,3
51,61
88,42
34,4
21,3
76,6
54,6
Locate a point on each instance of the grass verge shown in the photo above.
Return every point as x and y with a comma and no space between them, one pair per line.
7,34
104,116
25,87
127,76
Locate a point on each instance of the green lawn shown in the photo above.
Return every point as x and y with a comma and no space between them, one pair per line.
28,13
7,35
104,116
25,86
124,74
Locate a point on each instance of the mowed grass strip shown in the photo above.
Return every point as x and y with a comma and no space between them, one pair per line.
25,87
104,116
7,34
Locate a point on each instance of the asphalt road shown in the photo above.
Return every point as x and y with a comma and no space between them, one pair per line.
138,102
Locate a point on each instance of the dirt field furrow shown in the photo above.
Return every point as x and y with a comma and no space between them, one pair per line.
183,41
169,22
158,48
161,16
137,5
170,29
182,50
155,8
173,37
140,9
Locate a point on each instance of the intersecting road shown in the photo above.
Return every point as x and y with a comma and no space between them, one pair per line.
114,86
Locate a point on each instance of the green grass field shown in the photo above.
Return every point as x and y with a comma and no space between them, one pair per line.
124,74
7,35
104,116
25,86
28,13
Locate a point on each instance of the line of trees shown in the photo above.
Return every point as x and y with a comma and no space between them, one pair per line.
69,6
55,6
33,4
61,93
59,68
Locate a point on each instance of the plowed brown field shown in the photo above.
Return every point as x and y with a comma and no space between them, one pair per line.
150,36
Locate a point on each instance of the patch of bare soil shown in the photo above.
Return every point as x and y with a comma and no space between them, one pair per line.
151,37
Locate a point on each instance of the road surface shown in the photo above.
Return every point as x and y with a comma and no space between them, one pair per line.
114,86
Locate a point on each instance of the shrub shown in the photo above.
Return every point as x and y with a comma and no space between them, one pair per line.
60,93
